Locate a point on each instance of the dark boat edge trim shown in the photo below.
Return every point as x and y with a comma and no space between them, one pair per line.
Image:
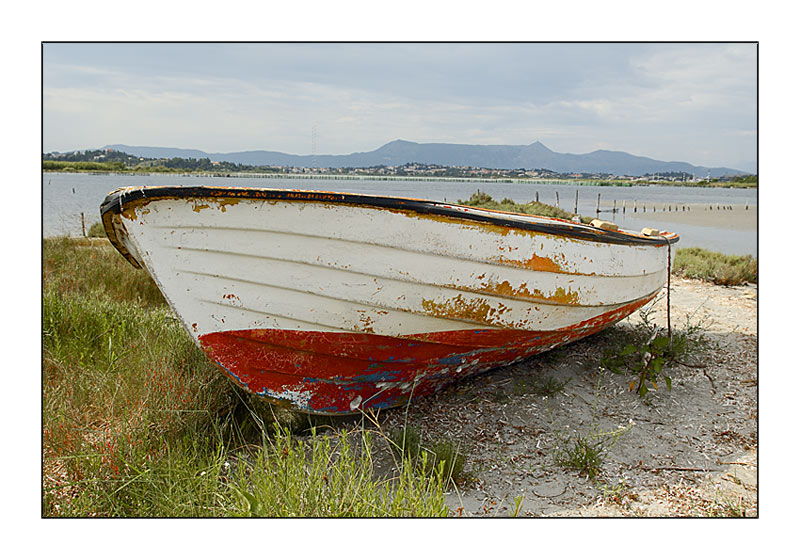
115,201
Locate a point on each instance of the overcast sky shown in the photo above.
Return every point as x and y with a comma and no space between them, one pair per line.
675,102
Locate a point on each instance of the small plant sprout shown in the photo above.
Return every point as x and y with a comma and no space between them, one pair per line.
647,360
518,501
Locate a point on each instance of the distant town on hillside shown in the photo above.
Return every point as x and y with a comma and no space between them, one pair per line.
111,160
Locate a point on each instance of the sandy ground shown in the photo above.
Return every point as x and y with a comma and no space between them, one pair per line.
688,452
737,217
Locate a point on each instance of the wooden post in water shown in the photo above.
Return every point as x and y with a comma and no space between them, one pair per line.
557,206
537,196
614,207
597,210
576,202
83,224
623,206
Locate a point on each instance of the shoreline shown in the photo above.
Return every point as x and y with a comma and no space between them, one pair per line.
740,217
424,178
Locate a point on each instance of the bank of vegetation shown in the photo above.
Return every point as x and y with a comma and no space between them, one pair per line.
725,270
741,182
480,199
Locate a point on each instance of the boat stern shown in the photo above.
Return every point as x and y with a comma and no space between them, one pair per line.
111,212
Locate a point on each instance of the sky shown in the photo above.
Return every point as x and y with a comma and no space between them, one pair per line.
692,102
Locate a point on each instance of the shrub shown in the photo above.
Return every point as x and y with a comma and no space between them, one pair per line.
726,270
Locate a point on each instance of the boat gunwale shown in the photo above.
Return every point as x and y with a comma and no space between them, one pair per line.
115,201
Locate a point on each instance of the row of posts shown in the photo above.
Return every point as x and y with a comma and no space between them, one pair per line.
666,207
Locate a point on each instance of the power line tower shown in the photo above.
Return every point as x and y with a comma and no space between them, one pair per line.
314,145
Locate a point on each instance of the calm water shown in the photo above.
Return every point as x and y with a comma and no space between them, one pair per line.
66,195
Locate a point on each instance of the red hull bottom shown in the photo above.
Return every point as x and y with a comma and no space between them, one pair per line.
340,373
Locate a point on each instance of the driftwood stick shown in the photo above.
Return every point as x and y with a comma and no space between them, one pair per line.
680,469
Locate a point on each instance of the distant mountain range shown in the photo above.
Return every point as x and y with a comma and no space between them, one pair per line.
400,152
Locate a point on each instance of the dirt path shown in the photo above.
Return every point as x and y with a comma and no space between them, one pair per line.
691,451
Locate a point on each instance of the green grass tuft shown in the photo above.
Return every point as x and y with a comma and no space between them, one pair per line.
443,455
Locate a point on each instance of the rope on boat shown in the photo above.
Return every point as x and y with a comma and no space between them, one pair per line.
669,287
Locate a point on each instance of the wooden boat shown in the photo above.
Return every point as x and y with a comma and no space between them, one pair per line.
333,303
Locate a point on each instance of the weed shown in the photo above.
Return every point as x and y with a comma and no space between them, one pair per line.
619,493
586,453
329,476
518,501
727,507
647,358
581,454
407,443
542,385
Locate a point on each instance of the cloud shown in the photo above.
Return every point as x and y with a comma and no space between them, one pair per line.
670,101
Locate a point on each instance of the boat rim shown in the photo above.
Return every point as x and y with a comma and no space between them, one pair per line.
124,196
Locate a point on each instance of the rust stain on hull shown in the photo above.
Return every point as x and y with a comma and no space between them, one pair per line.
535,262
560,296
478,311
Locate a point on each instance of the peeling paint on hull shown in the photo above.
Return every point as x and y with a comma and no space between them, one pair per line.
337,373
331,303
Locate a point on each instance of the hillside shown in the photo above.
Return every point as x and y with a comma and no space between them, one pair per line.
399,152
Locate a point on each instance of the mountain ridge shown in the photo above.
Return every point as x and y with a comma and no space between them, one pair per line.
497,156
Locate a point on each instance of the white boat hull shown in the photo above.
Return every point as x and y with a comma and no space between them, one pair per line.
333,302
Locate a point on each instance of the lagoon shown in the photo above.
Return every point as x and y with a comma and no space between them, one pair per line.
66,195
